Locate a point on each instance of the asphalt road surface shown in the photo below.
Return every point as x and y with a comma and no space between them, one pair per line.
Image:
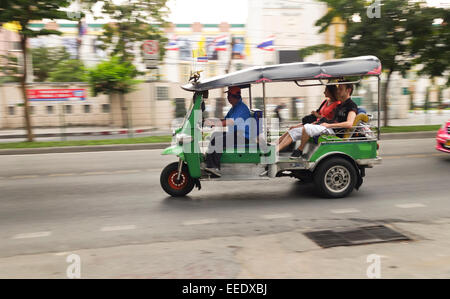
52,203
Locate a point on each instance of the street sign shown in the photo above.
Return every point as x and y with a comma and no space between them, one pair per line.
151,63
150,50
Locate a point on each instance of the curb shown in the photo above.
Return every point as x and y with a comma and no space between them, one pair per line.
409,135
99,133
80,149
152,146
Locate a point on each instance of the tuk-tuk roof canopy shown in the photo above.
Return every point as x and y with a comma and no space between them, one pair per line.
331,69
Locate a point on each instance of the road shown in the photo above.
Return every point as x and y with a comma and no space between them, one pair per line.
55,204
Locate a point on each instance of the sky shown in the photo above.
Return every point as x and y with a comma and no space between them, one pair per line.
208,11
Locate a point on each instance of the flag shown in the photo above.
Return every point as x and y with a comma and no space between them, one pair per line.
172,45
220,43
202,56
268,44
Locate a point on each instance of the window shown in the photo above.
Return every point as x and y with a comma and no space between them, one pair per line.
87,108
16,46
49,109
11,110
68,109
162,93
105,108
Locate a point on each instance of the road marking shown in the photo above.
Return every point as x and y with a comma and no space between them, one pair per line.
413,156
410,206
32,235
61,174
94,173
345,211
117,228
126,171
277,216
200,221
24,177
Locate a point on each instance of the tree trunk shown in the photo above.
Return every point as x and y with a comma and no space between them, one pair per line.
23,83
385,100
124,109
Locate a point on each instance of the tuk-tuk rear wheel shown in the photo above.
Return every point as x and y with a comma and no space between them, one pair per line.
172,185
335,177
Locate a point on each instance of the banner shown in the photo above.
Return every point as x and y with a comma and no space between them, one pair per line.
56,94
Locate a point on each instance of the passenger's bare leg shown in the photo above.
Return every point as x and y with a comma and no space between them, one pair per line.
304,140
281,138
284,143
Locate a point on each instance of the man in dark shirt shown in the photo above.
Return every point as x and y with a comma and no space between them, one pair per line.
343,118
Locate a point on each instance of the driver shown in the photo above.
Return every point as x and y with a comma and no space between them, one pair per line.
238,132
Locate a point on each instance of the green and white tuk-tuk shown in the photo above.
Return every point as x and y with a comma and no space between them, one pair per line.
336,165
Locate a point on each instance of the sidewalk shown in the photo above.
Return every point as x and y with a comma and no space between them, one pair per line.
72,131
414,118
281,255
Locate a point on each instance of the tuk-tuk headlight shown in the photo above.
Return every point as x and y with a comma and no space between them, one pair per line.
183,139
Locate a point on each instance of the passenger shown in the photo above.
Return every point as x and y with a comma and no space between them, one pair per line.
238,131
344,117
326,109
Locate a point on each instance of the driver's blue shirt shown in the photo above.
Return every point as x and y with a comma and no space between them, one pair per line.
239,113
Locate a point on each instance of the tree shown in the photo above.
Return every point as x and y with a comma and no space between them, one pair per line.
23,12
72,70
45,59
135,21
114,77
390,37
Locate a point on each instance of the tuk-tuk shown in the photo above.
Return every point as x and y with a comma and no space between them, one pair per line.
336,165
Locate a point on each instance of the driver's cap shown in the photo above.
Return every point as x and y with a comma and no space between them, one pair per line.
234,90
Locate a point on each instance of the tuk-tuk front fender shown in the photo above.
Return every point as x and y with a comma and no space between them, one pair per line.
176,150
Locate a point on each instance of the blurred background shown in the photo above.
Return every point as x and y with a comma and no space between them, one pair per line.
89,94
91,66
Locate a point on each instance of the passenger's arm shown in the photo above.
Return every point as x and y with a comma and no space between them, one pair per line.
347,124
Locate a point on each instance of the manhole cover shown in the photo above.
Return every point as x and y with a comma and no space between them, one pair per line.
355,236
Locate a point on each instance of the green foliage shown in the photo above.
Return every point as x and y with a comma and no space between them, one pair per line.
137,21
46,59
71,70
113,77
431,45
24,11
402,37
318,49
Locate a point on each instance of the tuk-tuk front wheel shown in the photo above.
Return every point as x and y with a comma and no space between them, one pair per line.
336,177
171,184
